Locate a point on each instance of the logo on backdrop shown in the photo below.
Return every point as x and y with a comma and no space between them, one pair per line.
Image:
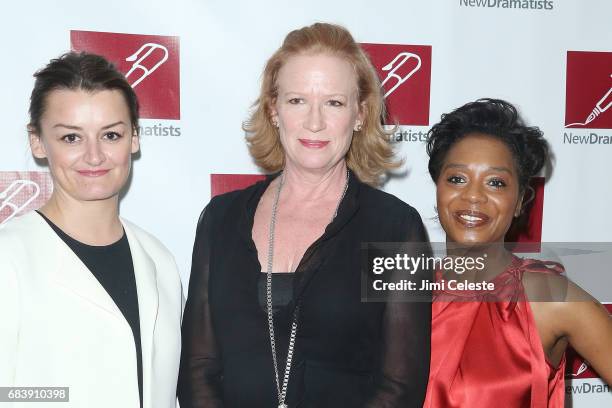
405,75
576,366
139,58
150,64
510,4
224,183
588,90
22,191
526,230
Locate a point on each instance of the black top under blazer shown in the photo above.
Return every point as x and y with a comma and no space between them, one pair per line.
348,353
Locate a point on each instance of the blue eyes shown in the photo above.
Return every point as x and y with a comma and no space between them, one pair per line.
332,102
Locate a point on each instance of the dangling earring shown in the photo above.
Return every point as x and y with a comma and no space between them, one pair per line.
518,212
519,208
524,202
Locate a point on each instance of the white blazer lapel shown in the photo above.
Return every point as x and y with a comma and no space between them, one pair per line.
146,285
68,271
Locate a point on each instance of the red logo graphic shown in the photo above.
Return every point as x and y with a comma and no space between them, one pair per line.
576,366
149,62
405,73
22,191
526,231
224,183
588,90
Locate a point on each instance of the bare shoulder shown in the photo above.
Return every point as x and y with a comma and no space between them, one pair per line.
545,287
561,302
564,311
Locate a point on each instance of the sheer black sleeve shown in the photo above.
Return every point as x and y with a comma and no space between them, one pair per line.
200,375
401,381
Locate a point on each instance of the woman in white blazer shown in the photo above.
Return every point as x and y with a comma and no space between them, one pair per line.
88,300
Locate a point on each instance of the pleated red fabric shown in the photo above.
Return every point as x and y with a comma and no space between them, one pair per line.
489,354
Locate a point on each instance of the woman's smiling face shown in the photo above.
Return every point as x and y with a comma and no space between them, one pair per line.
88,140
317,109
478,191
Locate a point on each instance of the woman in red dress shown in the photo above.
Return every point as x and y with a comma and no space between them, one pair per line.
508,352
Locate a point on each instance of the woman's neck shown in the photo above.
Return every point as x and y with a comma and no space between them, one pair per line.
90,222
304,185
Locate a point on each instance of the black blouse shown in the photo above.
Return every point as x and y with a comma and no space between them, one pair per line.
282,288
348,353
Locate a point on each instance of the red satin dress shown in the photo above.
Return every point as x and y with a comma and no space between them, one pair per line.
489,354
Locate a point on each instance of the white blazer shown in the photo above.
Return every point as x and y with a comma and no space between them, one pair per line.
59,327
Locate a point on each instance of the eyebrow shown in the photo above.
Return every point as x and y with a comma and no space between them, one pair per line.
326,95
80,128
463,166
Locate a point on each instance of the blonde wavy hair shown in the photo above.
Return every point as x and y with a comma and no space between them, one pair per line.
370,155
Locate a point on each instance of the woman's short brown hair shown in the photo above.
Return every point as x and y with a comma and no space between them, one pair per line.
79,71
370,155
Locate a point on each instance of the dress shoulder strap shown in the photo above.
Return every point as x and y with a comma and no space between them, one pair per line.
538,266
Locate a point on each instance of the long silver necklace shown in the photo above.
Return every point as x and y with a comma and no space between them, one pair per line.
281,389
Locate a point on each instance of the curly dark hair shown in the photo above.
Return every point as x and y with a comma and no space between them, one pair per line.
496,118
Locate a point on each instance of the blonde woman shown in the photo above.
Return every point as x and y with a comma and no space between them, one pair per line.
274,314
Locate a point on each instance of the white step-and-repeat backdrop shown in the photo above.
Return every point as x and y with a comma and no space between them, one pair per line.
196,66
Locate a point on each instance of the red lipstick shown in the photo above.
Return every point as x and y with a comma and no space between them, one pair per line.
314,144
93,173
